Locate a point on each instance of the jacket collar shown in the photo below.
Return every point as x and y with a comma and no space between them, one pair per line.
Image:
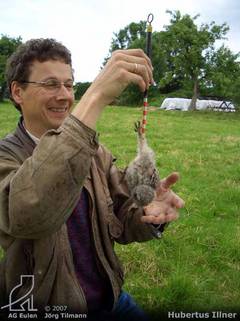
24,138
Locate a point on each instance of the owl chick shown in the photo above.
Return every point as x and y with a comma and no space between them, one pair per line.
141,175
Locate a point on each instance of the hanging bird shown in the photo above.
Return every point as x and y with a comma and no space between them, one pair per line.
142,175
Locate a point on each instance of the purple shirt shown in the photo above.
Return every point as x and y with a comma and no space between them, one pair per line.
94,285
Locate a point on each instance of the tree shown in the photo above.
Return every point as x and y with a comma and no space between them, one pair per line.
7,47
223,74
80,88
184,58
124,39
186,46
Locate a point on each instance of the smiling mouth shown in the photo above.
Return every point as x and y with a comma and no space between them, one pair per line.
59,110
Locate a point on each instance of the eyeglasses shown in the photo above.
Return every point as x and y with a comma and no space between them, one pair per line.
52,84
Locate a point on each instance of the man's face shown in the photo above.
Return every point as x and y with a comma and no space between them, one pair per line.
44,107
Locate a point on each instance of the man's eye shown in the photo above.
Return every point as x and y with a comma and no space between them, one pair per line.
68,85
51,84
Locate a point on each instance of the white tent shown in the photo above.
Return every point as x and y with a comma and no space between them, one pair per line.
183,104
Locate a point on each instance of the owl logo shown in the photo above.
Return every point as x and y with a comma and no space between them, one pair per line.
25,302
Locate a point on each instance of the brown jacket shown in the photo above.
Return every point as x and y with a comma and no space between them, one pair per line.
39,188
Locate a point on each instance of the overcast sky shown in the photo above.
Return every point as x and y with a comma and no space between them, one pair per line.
86,27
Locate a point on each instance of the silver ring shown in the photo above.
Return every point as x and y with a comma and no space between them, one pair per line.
136,68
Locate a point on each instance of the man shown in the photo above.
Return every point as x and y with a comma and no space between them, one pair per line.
63,202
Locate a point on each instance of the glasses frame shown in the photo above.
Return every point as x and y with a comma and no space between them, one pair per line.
54,87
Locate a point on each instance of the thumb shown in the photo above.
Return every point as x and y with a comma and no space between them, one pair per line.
170,180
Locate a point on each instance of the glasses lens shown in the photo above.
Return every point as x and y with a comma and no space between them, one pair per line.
69,84
52,84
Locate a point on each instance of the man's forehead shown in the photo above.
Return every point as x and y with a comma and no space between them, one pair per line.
51,68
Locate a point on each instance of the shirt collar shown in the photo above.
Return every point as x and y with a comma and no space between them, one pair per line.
34,138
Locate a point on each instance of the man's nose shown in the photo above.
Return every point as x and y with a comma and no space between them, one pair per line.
64,92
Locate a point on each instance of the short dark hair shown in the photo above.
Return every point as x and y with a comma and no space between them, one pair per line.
19,63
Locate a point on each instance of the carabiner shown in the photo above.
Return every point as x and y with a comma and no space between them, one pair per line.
150,18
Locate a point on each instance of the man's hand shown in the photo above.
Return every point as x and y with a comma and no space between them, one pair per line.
125,67
164,207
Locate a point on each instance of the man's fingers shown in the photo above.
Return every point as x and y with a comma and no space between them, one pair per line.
138,80
153,219
160,219
133,53
177,201
170,180
135,61
140,70
127,70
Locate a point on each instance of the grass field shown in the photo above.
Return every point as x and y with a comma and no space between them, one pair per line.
196,265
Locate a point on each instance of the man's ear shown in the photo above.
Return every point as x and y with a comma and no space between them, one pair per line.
16,91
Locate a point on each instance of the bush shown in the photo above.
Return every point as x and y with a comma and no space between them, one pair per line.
80,88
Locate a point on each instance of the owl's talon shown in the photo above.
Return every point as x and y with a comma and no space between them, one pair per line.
138,128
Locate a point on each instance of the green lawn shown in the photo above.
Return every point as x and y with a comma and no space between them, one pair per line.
196,265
